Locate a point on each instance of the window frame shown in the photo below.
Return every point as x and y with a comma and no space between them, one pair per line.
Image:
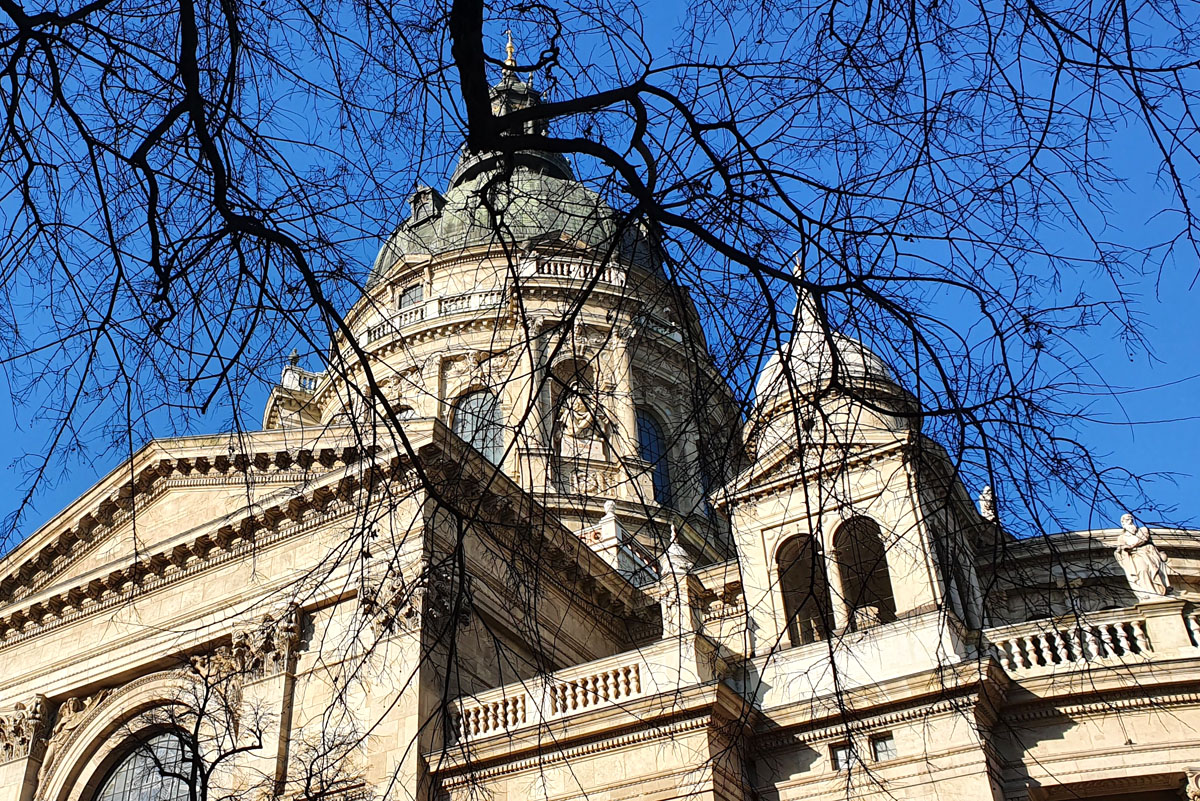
490,444
649,421
418,289
881,739
851,756
143,750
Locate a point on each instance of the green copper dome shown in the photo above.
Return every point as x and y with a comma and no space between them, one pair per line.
532,197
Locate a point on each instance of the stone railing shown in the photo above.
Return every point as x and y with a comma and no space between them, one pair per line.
664,667
1044,644
579,270
433,309
470,301
294,377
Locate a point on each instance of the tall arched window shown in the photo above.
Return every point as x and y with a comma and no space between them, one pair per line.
804,588
477,419
652,447
862,563
154,770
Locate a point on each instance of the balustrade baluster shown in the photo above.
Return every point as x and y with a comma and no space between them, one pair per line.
1002,654
1141,643
1122,638
1047,652
1093,647
1106,637
1061,646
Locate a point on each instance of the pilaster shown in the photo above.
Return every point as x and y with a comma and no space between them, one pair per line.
1166,627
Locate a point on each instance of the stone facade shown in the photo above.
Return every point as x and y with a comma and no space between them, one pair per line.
380,596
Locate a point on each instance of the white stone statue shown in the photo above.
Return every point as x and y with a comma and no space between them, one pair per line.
676,560
1144,565
987,504
581,424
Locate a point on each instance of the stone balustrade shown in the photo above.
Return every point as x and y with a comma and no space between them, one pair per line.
435,308
574,269
294,377
666,666
1119,635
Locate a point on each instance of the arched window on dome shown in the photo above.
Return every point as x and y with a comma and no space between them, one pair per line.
805,590
862,564
154,769
652,447
477,419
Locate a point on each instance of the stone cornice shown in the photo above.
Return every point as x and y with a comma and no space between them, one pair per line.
46,554
977,687
504,508
232,540
667,715
1152,687
790,474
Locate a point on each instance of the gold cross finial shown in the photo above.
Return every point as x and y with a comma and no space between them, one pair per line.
510,60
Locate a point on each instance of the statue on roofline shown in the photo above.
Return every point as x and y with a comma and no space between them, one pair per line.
1144,564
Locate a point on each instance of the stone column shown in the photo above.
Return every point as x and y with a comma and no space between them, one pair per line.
625,437
534,451
833,579
689,463
22,743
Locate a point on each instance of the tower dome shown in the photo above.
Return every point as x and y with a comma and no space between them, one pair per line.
813,358
512,199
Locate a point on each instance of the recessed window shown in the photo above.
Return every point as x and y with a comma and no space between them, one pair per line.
652,446
412,295
477,419
841,755
805,592
154,769
883,747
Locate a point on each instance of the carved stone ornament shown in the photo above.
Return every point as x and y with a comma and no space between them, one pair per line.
71,714
22,728
391,605
447,596
259,649
1145,566
589,478
476,368
1191,786
583,424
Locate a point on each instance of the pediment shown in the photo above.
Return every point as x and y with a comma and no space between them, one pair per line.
179,517
787,463
167,489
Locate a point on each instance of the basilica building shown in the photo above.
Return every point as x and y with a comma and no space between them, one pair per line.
515,541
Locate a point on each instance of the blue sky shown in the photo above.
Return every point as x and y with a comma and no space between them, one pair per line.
1148,425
